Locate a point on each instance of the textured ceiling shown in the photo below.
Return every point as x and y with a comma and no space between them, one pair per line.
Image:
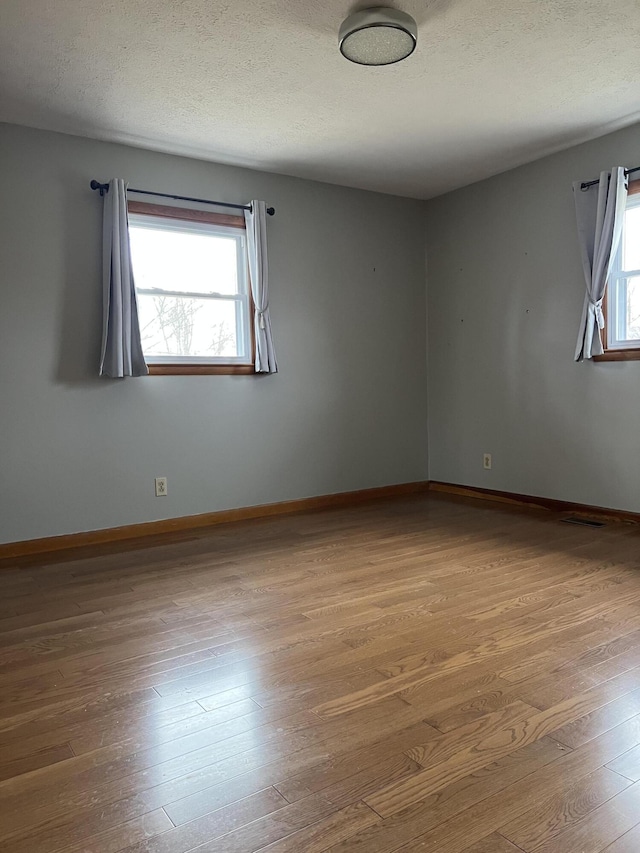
260,83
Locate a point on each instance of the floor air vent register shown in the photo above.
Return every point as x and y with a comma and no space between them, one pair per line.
583,522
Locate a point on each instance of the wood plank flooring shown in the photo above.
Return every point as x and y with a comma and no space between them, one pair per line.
423,674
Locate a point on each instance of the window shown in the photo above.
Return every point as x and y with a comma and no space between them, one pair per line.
622,306
191,278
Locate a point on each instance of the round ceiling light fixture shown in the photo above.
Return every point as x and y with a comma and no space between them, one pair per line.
378,36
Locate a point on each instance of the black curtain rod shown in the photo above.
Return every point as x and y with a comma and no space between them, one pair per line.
586,184
104,188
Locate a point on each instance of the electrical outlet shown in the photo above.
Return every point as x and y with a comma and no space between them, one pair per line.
486,461
161,487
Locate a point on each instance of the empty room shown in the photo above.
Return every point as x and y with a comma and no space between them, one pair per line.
319,426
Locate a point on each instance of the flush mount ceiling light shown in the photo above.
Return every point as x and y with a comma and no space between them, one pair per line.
378,36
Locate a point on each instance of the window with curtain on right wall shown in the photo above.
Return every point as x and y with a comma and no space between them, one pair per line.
621,337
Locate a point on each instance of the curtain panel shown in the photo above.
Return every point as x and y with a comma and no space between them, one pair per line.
256,222
600,215
121,345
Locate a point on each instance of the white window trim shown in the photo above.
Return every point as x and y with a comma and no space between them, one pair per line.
242,298
617,295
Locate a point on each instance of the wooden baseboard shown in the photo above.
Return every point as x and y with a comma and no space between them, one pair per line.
185,524
515,499
52,544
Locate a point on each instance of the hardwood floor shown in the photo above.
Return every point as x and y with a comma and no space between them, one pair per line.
421,674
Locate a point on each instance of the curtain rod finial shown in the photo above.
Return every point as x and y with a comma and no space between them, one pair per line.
96,185
271,211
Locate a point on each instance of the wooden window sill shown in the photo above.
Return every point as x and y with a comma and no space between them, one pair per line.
201,370
619,355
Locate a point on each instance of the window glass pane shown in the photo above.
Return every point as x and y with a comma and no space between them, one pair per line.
633,309
187,261
631,239
181,326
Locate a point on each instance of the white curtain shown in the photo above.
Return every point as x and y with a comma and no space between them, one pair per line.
256,222
600,214
121,346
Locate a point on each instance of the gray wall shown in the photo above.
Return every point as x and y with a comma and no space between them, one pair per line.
505,293
347,411
347,267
